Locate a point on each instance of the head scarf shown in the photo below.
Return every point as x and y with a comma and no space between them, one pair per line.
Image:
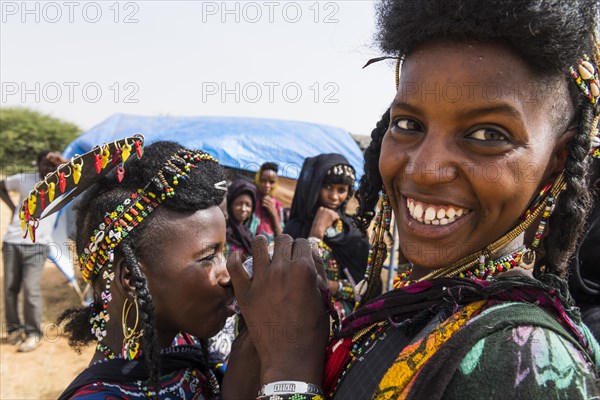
239,234
350,248
313,175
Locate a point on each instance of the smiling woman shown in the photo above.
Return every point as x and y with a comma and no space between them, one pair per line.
482,158
463,157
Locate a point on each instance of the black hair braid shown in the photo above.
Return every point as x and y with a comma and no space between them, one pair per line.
567,221
150,347
370,182
77,324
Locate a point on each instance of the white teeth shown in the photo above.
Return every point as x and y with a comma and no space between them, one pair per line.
430,214
418,212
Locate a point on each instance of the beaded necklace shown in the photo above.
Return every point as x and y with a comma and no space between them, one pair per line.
190,376
483,271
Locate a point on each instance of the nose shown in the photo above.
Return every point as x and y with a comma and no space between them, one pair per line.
431,162
334,196
223,277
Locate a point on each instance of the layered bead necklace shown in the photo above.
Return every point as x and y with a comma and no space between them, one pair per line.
484,271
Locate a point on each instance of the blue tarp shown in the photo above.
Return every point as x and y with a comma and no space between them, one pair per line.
243,143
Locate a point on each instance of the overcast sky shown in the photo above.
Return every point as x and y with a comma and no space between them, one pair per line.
84,61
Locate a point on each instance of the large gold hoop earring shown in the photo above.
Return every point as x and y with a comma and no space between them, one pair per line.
131,337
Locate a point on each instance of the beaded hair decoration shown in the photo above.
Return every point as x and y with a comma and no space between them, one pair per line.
98,254
585,74
128,215
343,170
70,179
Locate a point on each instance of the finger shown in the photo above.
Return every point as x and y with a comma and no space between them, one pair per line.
283,248
239,278
260,255
301,249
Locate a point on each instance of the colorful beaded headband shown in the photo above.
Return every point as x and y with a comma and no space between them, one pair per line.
128,215
36,206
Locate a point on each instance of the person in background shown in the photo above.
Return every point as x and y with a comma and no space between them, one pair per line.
241,203
318,213
24,260
267,219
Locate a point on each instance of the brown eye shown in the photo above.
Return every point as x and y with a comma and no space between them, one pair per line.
407,124
487,134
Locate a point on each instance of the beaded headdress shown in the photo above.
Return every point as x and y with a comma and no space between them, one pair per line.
340,173
98,254
70,179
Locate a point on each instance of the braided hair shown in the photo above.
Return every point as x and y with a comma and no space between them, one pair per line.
550,35
195,193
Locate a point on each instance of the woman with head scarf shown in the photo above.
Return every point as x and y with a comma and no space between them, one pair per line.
318,212
241,201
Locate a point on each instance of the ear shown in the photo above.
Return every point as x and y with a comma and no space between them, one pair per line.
561,151
124,278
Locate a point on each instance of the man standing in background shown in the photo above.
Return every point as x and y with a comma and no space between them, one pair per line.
24,260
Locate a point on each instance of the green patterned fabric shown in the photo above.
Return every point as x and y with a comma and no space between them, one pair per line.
520,352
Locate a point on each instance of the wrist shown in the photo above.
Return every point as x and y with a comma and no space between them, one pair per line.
307,372
316,232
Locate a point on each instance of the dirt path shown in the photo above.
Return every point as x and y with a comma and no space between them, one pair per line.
45,372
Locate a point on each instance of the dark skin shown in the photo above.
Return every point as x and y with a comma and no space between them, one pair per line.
190,286
268,179
331,198
284,343
485,156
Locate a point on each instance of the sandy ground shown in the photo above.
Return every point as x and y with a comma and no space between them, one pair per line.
45,372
